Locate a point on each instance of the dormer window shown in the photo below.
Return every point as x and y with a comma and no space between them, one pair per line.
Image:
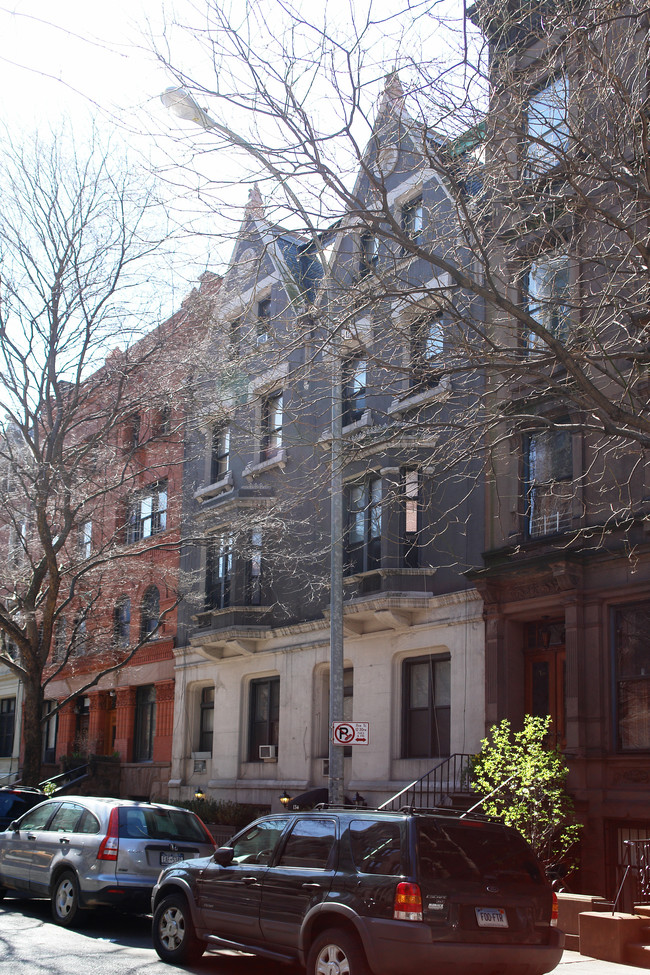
263,324
369,254
413,219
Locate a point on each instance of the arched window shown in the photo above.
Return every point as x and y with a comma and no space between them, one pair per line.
122,622
150,611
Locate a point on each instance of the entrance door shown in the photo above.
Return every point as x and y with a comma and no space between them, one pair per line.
546,676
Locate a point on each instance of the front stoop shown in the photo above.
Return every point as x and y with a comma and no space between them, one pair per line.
611,937
570,906
638,954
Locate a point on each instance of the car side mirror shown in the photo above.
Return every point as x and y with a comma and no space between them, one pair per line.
15,826
223,856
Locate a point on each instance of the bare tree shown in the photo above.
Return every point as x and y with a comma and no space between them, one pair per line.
80,359
540,142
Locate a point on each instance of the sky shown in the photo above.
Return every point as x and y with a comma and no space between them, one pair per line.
90,62
74,57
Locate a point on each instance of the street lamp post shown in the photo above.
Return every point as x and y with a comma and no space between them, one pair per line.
336,756
182,104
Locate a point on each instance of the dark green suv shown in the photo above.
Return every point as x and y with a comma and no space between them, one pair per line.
356,891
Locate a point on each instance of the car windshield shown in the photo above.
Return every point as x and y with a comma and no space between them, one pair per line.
474,852
156,823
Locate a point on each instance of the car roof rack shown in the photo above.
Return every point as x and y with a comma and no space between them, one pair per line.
16,787
451,812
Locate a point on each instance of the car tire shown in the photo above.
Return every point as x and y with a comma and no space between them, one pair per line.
66,909
337,950
174,937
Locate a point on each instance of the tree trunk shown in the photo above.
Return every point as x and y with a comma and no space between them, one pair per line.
32,710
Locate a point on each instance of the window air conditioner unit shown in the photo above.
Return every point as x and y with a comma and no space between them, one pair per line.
268,752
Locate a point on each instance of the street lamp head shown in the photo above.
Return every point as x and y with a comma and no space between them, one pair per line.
182,104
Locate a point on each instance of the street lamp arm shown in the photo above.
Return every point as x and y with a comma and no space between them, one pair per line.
181,103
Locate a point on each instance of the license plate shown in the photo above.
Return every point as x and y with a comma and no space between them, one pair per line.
167,858
491,917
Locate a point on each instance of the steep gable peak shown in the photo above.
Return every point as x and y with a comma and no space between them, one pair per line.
255,204
392,99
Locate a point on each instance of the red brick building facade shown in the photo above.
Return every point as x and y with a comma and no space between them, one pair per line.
127,638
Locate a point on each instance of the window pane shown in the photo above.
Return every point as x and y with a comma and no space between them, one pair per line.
258,843
548,297
7,723
37,818
376,847
632,650
67,817
547,125
427,700
419,691
309,844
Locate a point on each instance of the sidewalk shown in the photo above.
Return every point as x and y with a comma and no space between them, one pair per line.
574,963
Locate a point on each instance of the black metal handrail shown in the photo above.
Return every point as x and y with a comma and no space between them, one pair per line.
636,860
450,777
67,778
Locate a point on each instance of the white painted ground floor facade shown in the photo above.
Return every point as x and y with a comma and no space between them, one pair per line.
414,670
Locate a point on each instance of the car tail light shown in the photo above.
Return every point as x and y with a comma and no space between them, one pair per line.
554,911
109,846
408,903
206,830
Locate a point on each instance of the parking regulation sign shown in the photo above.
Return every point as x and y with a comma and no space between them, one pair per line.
350,732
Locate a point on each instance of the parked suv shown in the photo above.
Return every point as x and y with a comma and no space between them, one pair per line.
82,852
15,800
361,891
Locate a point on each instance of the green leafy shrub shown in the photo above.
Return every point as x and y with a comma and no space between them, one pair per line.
531,781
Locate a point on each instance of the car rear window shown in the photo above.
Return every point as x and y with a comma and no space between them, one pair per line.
11,805
474,852
376,847
161,824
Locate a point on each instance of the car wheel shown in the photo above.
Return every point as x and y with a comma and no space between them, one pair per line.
65,900
174,937
337,951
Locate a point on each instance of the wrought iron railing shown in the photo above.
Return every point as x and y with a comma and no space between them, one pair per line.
636,860
66,779
451,777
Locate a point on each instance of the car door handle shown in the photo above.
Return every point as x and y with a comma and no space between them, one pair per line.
63,839
311,886
251,881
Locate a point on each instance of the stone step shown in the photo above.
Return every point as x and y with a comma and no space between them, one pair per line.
637,954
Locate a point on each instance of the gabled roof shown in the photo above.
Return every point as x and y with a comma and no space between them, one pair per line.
284,249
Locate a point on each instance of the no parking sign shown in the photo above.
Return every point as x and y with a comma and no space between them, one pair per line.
350,732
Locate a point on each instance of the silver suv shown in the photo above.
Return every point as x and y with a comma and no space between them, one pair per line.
84,852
